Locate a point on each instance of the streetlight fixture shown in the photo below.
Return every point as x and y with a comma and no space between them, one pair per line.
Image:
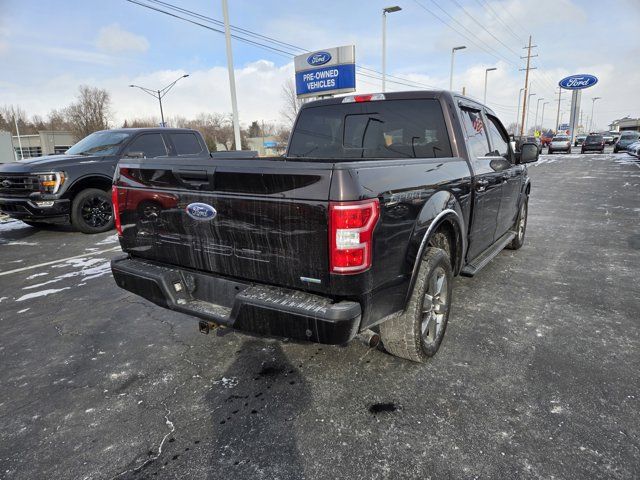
593,102
159,94
537,106
526,122
386,10
453,51
486,73
542,119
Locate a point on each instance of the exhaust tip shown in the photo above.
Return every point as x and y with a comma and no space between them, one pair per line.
370,338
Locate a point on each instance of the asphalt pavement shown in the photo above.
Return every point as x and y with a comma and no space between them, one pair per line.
537,376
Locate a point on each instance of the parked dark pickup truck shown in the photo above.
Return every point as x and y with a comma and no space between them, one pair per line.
75,187
362,225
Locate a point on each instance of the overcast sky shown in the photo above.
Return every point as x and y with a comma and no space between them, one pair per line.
49,48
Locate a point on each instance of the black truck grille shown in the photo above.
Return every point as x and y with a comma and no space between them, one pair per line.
17,184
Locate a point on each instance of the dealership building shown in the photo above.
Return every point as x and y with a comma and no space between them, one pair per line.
626,123
46,142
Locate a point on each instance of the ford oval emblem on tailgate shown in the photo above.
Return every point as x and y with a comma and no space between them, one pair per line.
201,211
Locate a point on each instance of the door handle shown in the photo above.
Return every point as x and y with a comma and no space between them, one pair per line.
481,184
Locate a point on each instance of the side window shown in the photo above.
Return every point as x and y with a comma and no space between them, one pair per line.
476,132
150,144
499,138
186,143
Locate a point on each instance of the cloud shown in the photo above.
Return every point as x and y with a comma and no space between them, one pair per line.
75,55
114,39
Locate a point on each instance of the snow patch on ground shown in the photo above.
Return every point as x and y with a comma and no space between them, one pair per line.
13,225
41,293
88,269
109,240
24,310
22,243
227,382
31,277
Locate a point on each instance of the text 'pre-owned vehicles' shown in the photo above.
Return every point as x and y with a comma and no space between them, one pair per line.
626,139
560,143
379,201
593,143
76,187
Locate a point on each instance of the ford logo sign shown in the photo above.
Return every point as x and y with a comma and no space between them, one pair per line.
201,211
577,82
318,58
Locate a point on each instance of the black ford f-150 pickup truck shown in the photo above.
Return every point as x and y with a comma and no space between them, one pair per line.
379,201
76,187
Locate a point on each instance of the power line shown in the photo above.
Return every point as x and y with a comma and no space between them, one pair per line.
280,49
487,6
484,28
488,50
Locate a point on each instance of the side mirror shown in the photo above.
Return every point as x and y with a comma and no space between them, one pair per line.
528,153
134,155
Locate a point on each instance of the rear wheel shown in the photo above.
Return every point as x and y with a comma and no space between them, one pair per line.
91,211
417,333
520,226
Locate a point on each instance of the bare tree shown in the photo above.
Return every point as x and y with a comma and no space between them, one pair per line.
90,112
291,102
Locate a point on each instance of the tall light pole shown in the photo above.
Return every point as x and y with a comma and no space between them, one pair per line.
453,51
593,102
537,106
395,8
15,121
526,126
486,73
232,76
542,119
518,112
159,94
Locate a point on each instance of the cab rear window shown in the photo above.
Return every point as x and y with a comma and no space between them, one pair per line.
378,129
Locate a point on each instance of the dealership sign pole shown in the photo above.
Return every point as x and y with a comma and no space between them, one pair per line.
326,72
576,83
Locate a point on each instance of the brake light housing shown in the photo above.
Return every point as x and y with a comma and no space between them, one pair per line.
115,196
351,227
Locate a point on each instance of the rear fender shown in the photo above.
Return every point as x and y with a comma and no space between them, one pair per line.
441,209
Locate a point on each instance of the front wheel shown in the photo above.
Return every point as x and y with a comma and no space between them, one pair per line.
520,226
417,333
91,211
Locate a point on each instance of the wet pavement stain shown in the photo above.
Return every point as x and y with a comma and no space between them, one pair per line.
389,407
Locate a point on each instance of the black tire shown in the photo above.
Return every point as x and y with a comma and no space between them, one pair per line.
417,333
520,227
550,152
91,211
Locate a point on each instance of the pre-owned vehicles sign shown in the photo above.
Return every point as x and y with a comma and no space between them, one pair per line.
578,82
326,72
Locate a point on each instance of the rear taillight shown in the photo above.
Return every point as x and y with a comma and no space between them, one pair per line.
351,227
115,195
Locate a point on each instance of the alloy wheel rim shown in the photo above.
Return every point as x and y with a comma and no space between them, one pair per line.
435,306
96,212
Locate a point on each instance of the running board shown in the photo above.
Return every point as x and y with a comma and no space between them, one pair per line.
474,266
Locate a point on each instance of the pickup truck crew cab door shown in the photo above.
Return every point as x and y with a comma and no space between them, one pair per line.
504,160
487,185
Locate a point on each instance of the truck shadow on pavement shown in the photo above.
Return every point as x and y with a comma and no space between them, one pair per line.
263,395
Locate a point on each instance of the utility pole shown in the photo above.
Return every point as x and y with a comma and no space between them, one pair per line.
558,114
526,82
542,119
518,111
232,76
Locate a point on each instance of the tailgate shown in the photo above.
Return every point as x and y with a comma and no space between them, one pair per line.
255,219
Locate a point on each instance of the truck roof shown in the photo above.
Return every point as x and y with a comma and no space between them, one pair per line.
408,95
150,129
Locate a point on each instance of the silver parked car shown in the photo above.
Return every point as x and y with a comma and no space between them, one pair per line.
634,149
560,143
